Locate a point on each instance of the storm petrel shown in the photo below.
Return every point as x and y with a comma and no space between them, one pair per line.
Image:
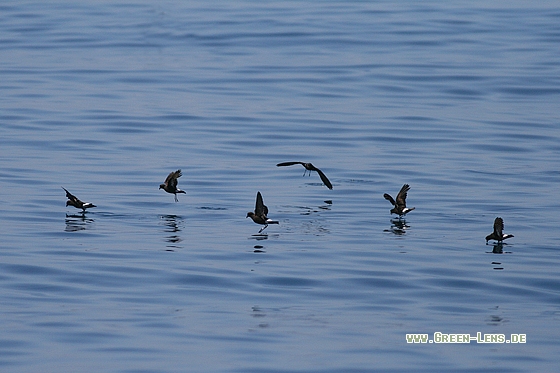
170,184
74,201
400,205
309,167
498,234
259,216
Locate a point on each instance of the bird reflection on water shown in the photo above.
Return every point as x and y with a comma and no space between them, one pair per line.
398,227
77,222
498,248
306,210
172,225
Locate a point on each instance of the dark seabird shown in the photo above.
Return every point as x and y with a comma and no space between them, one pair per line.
309,167
498,234
74,201
259,216
170,184
400,205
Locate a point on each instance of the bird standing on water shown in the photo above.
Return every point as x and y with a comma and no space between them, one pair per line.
74,201
309,167
400,205
170,184
260,214
498,234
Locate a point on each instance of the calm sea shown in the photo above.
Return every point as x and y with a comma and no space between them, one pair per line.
459,99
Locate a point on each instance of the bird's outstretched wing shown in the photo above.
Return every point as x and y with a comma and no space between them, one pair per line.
72,197
389,198
401,197
498,227
171,180
288,164
260,209
323,178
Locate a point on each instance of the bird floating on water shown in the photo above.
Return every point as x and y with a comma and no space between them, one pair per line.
400,205
498,234
170,184
74,201
260,214
309,167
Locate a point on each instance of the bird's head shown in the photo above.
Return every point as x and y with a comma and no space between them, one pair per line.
249,214
161,186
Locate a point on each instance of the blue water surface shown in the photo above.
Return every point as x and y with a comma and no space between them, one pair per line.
105,98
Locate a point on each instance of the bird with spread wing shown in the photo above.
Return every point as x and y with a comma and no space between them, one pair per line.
260,214
75,201
400,204
170,184
309,167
